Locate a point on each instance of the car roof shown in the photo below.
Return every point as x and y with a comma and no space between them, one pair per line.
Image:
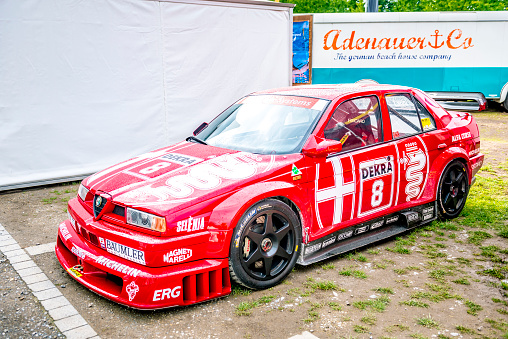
331,92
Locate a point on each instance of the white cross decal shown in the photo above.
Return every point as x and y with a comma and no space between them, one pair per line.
335,192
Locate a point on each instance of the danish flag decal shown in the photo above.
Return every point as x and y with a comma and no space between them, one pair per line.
335,191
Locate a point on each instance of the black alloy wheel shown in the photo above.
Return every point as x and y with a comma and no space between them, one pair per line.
453,190
265,245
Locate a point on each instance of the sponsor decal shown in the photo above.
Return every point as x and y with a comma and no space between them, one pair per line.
428,210
342,190
167,293
205,176
344,138
463,136
74,272
329,241
131,290
242,226
474,152
177,255
64,231
180,159
362,229
79,252
191,224
377,169
125,252
295,171
427,216
73,222
392,219
412,216
304,102
376,185
116,266
414,160
344,235
262,207
477,164
426,124
376,224
313,248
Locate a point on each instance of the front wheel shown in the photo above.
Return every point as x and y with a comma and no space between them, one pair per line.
265,245
453,190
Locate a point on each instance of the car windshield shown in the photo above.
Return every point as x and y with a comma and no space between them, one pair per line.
265,124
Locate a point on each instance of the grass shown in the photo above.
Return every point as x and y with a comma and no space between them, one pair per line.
329,266
427,322
378,304
473,308
384,290
465,330
350,272
325,285
245,307
477,237
369,320
487,206
415,303
462,281
313,314
335,306
360,329
239,290
396,328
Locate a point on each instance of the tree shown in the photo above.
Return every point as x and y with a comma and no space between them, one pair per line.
330,6
346,6
441,5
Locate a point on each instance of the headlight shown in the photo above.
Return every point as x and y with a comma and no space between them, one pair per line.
146,220
82,192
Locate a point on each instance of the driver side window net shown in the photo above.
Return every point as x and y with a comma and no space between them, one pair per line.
356,123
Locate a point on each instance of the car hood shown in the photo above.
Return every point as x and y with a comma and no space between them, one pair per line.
181,175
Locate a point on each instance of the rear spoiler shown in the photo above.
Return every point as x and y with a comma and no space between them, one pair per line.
463,101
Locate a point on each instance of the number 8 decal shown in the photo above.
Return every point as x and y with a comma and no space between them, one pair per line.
377,193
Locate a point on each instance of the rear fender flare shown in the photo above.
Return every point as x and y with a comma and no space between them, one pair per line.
440,164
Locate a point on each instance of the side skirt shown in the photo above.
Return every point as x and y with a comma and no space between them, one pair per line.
367,233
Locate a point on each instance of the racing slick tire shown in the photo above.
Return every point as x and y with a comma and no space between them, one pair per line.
265,245
453,190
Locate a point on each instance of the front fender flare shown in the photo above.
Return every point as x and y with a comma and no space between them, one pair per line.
226,215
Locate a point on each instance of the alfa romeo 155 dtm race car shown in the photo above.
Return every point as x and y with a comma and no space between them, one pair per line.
286,176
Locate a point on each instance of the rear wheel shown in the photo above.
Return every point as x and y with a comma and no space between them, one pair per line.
453,190
265,245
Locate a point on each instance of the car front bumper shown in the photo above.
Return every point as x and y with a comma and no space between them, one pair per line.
136,285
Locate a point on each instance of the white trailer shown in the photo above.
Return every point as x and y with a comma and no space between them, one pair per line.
451,55
86,84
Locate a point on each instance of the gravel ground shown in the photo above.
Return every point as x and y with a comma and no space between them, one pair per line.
21,315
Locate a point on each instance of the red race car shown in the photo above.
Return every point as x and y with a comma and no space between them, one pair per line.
286,176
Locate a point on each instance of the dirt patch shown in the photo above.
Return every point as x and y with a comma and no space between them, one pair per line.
444,280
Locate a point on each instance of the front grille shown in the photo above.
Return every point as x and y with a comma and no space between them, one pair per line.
119,210
98,204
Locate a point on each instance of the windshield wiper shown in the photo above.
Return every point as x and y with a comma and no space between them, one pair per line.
196,139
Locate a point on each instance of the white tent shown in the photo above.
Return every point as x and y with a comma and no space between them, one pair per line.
86,84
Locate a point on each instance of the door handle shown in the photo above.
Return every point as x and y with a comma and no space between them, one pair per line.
443,145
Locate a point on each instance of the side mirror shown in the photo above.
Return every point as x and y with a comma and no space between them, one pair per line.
313,148
200,128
